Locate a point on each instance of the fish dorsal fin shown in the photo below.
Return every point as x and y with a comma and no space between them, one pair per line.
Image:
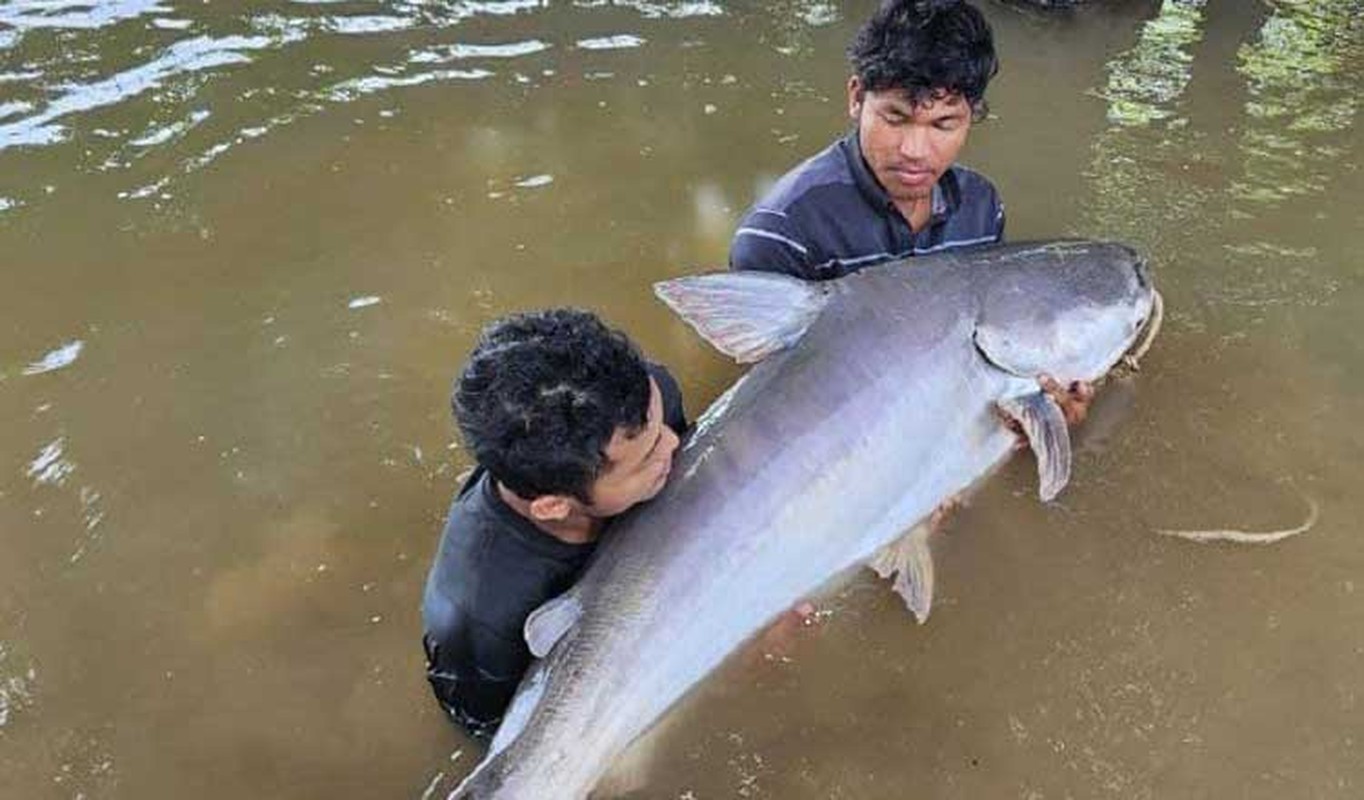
547,624
745,315
1045,427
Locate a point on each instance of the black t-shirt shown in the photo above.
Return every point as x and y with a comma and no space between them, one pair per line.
492,568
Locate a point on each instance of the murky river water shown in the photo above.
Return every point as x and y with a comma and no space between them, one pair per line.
245,247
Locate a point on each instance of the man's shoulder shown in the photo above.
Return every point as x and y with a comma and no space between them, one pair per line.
493,568
828,167
804,218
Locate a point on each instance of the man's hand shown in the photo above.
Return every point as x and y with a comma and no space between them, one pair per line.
1074,399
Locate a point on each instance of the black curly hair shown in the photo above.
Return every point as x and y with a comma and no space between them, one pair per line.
541,396
928,49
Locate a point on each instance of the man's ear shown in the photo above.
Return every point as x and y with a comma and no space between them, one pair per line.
856,94
551,507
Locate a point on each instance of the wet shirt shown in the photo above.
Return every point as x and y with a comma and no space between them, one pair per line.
492,568
829,217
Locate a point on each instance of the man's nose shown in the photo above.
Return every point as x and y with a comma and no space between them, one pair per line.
670,440
914,143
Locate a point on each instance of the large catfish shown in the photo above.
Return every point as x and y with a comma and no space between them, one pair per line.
874,398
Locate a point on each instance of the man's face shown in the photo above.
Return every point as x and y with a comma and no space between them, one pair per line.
908,147
638,463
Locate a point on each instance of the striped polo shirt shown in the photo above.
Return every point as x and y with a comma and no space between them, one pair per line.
829,217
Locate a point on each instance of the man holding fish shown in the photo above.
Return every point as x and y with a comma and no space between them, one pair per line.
890,189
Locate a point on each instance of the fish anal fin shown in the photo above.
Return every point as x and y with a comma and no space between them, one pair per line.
547,624
1045,426
910,560
745,315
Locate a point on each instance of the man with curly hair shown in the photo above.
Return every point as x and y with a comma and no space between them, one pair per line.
569,426
891,188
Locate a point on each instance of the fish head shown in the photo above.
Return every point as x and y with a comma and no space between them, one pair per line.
1070,310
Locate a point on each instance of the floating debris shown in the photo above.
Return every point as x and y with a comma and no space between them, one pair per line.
1246,537
364,302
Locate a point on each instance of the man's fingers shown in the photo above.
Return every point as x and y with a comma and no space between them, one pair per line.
1074,399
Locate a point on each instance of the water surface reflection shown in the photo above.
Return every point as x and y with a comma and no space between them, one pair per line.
245,248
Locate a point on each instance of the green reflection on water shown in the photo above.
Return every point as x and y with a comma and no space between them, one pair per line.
1145,82
1139,190
1302,81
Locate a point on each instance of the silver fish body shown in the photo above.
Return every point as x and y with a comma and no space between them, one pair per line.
871,403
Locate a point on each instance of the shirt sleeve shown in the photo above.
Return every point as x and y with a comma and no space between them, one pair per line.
761,246
999,218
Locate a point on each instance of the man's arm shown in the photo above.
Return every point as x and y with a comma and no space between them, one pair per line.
769,248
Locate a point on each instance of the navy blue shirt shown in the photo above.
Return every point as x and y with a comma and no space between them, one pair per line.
829,217
492,568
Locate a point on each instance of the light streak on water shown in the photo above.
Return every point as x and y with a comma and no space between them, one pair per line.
63,356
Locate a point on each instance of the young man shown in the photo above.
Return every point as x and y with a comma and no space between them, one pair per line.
891,188
570,426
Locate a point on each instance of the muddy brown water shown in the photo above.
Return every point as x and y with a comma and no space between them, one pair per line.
245,248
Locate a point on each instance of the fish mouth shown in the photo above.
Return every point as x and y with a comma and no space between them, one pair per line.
1131,360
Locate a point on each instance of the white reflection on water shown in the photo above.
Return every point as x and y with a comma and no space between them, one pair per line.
618,42
161,135
50,467
358,87
14,107
28,14
63,356
437,55
166,24
182,57
368,24
16,687
650,10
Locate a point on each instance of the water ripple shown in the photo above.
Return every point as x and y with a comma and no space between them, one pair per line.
187,56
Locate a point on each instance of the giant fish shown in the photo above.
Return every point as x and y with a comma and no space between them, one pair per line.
871,401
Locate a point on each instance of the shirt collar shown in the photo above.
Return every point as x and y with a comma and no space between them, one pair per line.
525,530
946,192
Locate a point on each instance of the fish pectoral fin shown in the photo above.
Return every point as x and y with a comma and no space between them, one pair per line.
547,624
1045,426
910,560
745,315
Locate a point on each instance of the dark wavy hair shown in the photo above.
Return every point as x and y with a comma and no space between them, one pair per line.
926,48
542,394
